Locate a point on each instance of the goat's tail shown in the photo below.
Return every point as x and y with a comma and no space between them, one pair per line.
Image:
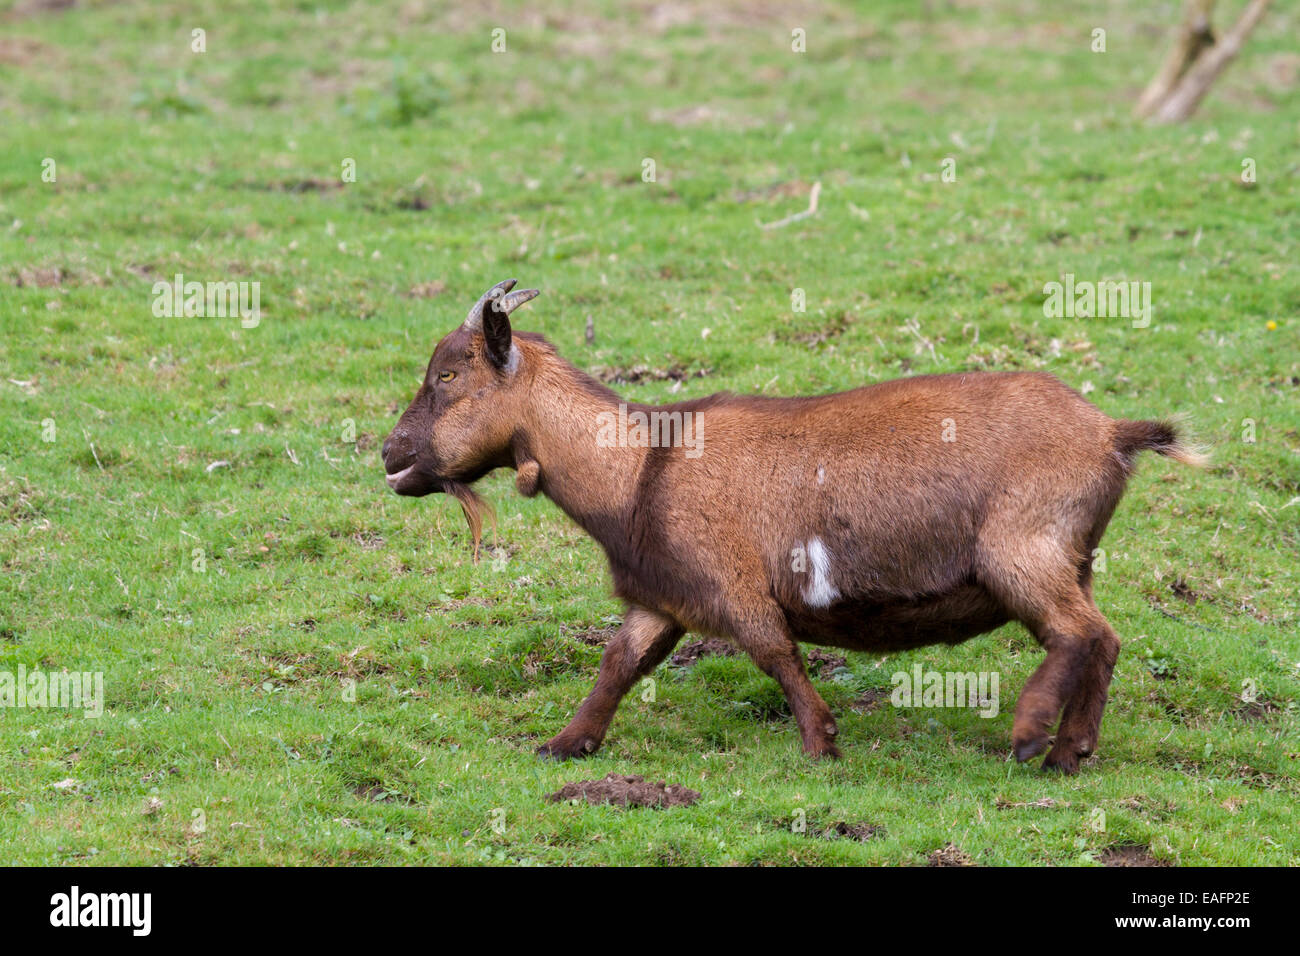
1161,437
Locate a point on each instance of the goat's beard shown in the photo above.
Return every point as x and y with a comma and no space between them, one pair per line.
476,508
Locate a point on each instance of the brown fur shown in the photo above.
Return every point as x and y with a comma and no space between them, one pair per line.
924,540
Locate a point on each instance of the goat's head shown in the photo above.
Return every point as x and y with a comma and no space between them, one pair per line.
460,424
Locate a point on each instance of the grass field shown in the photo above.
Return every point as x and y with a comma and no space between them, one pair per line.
300,667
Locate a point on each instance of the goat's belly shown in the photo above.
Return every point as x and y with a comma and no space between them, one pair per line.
875,625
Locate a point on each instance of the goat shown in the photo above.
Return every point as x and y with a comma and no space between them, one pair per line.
916,511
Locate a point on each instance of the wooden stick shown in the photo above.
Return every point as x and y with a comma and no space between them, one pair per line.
1194,36
1196,82
810,211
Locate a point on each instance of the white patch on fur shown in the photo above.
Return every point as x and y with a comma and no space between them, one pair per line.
821,474
819,591
512,363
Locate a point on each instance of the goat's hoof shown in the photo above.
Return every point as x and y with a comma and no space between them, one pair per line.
1064,757
1028,749
561,748
1061,761
823,751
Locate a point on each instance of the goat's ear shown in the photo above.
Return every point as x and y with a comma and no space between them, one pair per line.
496,324
496,334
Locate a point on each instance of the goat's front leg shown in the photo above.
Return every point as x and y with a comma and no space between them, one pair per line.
767,640
640,645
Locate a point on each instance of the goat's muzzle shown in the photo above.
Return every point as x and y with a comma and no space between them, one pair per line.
403,471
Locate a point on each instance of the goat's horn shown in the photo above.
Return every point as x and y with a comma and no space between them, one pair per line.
508,303
474,321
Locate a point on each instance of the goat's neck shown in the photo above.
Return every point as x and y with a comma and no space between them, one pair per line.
593,484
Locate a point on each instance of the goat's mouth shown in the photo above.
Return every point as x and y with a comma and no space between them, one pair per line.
413,482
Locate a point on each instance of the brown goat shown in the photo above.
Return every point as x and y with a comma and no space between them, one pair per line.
917,511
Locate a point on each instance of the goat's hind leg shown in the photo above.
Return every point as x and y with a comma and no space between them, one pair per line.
640,645
1070,633
1036,579
1081,723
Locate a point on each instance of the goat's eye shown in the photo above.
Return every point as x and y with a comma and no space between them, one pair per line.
446,375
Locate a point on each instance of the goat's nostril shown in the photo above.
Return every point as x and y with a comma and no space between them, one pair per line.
383,449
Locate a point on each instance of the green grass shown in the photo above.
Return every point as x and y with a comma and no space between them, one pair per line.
229,735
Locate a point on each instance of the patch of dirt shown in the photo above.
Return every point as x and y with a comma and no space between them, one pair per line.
22,51
1129,854
1155,809
870,699
950,855
539,663
427,290
1257,710
374,793
828,662
49,277
696,650
360,664
1253,777
626,791
344,76
595,637
1044,804
1183,591
368,540
455,604
836,327
858,832
1283,71
146,272
310,185
412,202
1161,668
644,373
31,8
